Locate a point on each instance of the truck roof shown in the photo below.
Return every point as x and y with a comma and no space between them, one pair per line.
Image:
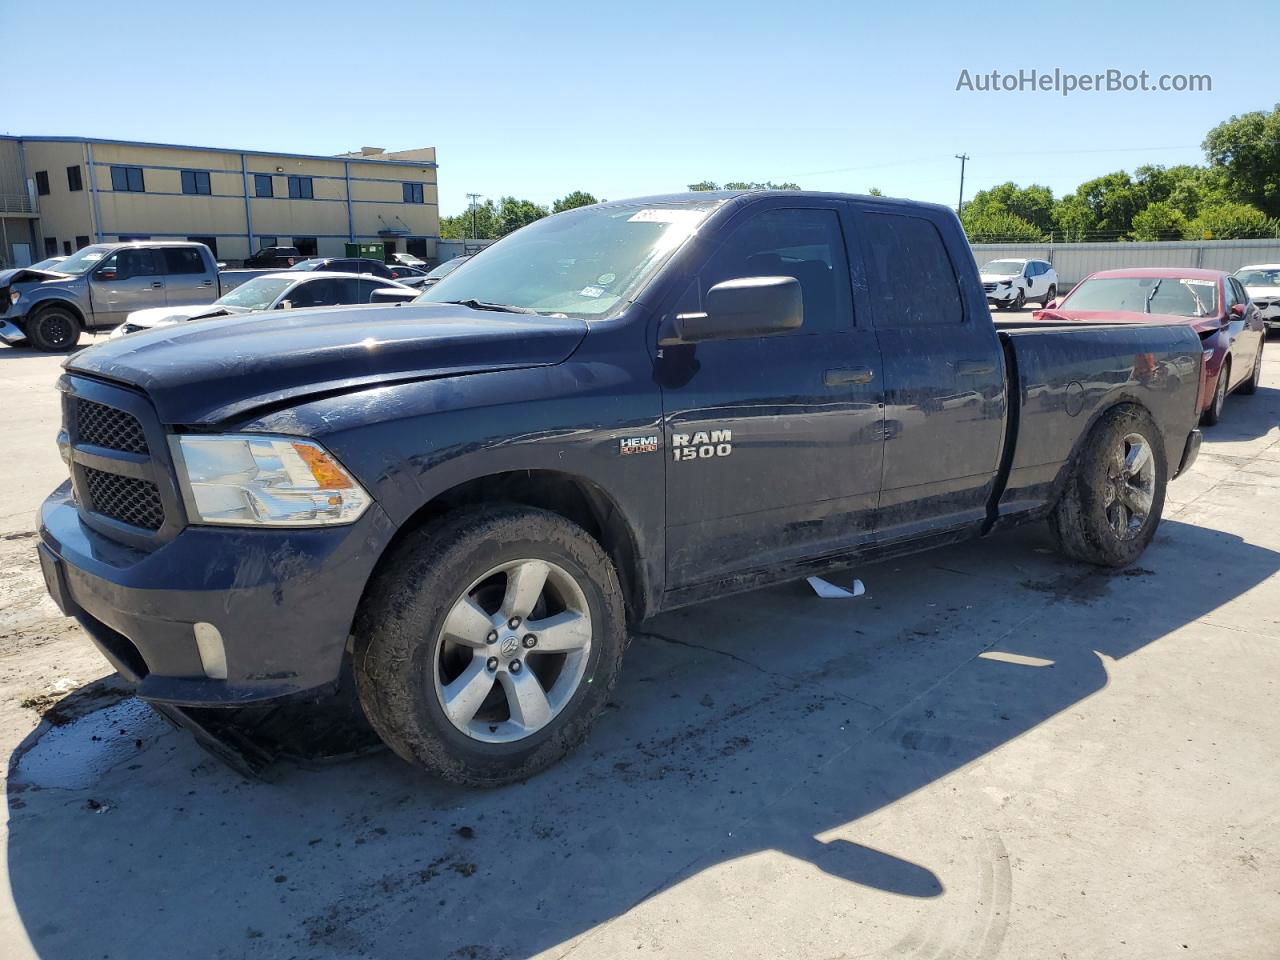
693,196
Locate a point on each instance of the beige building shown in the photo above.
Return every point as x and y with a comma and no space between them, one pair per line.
58,194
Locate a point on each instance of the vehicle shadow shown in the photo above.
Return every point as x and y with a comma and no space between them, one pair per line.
774,721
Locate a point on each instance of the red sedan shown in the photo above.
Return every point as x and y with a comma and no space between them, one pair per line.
1213,302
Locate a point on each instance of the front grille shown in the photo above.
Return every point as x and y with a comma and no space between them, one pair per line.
104,426
131,501
989,287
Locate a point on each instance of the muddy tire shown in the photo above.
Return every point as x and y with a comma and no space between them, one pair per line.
1213,412
1250,386
1110,507
489,643
54,330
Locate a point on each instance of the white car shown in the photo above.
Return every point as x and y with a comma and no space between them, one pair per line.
276,291
1009,284
1262,282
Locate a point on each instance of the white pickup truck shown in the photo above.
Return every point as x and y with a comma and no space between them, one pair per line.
1009,284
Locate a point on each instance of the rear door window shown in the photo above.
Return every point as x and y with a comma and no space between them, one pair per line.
912,279
182,260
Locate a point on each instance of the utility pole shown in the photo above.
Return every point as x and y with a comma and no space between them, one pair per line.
962,157
474,198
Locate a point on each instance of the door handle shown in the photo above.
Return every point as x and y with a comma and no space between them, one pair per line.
207,283
157,284
975,368
836,378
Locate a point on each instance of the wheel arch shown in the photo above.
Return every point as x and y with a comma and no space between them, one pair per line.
48,303
1119,402
571,496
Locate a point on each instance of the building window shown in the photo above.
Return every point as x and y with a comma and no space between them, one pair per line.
50,246
127,179
195,181
74,182
412,192
81,242
264,242
66,248
306,245
263,185
416,246
300,188
42,182
132,237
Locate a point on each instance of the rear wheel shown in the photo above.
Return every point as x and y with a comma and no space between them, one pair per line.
1114,495
1049,295
1250,386
491,643
1213,413
54,329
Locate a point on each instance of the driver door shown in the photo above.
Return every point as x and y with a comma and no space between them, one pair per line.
127,280
773,444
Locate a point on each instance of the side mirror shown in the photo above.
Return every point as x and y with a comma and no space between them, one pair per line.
392,295
285,305
745,307
1237,310
107,275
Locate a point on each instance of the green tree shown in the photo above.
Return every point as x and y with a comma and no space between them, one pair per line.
704,185
459,226
1034,204
875,192
995,225
578,198
514,214
1113,199
1247,149
744,185
1159,221
1233,221
1073,219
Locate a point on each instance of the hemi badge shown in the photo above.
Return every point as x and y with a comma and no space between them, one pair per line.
630,445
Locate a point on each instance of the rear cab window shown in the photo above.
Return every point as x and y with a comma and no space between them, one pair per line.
912,279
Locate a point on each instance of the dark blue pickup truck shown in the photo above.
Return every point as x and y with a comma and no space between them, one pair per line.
465,500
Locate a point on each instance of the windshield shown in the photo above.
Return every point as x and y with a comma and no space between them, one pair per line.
82,261
582,263
1004,268
447,267
256,294
1259,276
1169,295
47,264
311,264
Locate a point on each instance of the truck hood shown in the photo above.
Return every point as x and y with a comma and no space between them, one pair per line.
1060,314
996,277
217,369
26,275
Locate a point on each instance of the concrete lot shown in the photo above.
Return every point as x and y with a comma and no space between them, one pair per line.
995,753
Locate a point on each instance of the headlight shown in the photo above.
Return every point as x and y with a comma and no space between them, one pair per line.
255,480
1006,283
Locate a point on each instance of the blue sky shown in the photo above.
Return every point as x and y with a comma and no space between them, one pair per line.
626,99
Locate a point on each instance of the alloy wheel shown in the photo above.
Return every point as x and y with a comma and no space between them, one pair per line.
513,650
1130,490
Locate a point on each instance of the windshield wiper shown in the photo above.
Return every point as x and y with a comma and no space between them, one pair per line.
484,305
1146,307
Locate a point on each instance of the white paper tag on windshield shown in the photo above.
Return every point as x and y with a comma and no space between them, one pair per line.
1199,283
660,215
591,291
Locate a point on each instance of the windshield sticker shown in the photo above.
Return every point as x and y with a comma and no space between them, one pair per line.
665,216
591,291
606,278
1199,283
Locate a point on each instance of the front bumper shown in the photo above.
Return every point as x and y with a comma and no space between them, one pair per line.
282,602
1001,294
11,333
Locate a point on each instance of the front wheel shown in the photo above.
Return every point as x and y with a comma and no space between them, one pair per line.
1111,505
1019,301
54,330
490,643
